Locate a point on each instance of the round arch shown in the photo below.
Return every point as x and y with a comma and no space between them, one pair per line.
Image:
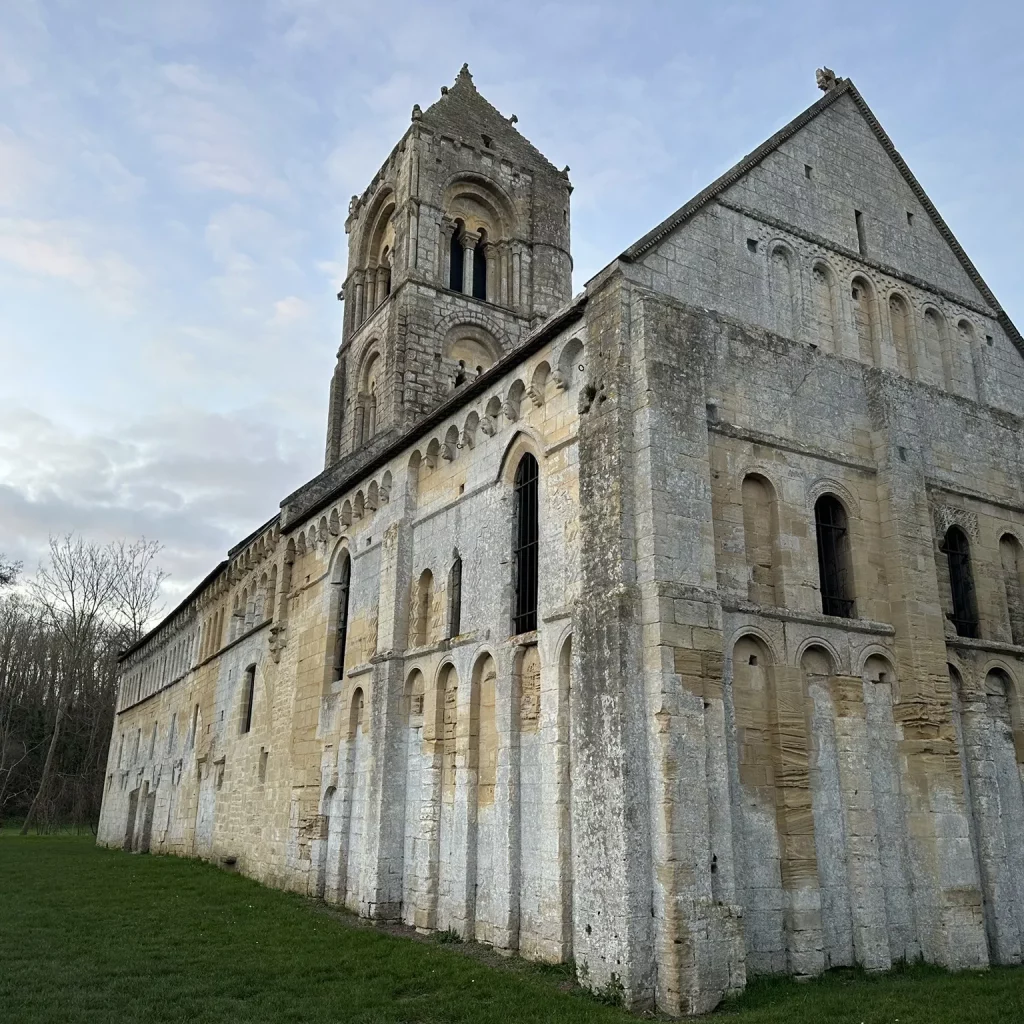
526,440
755,633
817,641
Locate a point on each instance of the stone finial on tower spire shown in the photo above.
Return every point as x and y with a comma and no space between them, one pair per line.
826,79
465,73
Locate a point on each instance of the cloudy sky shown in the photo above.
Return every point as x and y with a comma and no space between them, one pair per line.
174,178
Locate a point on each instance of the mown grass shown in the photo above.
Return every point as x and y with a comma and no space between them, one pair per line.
96,935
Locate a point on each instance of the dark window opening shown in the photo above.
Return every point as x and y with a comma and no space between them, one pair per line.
752,660
455,598
910,219
250,694
460,374
455,259
855,292
341,627
862,241
807,170
488,141
833,557
752,244
526,545
480,269
961,582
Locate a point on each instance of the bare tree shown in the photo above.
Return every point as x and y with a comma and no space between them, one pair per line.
137,582
74,592
8,572
59,644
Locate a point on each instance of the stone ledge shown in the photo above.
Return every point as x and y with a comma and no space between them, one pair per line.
810,618
993,646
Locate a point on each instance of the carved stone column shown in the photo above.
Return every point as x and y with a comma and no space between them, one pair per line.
469,240
517,269
357,317
491,256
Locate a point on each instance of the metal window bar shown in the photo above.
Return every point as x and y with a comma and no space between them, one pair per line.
830,521
455,599
526,547
341,634
961,584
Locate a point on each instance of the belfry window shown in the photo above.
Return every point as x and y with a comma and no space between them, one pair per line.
480,267
961,582
455,258
833,557
525,546
341,624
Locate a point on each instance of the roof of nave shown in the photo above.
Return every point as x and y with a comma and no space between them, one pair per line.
463,113
834,89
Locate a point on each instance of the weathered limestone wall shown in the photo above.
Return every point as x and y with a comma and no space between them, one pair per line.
430,782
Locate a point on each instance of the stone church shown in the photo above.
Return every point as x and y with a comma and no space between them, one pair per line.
675,628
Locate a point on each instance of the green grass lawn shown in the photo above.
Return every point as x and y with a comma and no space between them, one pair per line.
99,935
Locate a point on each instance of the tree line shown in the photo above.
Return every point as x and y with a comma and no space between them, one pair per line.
61,632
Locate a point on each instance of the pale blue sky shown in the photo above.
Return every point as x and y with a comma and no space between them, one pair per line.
174,179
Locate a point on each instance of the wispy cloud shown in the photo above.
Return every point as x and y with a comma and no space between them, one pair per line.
174,180
68,253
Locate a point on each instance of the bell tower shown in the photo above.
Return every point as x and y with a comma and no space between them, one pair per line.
457,249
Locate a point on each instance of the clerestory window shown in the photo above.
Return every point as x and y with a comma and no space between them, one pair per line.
834,574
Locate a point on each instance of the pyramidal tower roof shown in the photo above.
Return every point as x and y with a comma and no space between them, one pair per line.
463,113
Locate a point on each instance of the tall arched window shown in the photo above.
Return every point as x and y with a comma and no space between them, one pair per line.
1013,584
833,557
480,267
455,597
526,539
341,624
961,582
455,272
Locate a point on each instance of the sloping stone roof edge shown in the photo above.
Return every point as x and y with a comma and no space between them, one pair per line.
751,160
